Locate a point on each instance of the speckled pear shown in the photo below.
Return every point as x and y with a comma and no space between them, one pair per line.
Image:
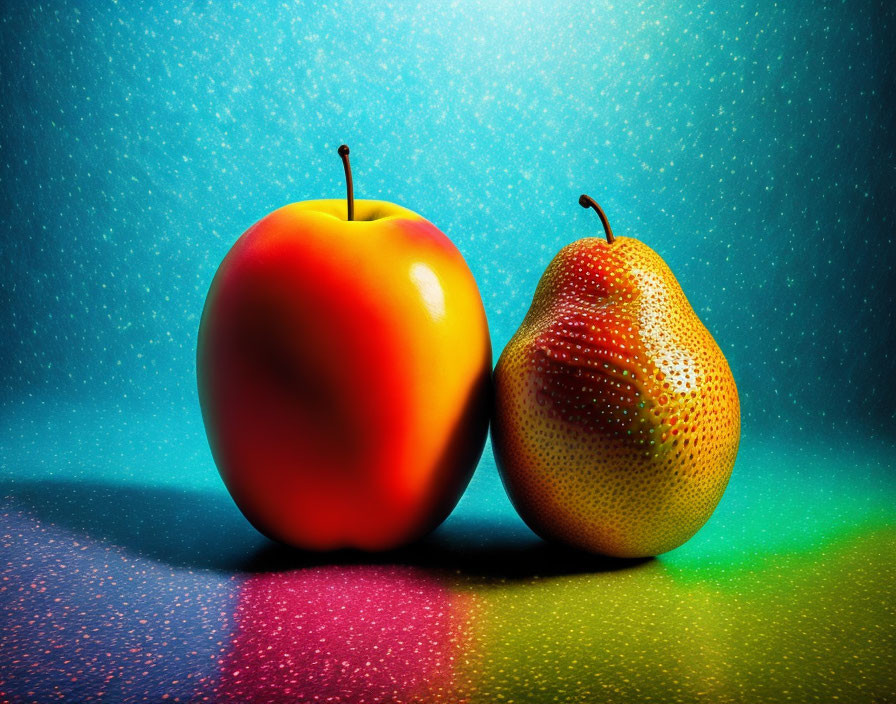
617,420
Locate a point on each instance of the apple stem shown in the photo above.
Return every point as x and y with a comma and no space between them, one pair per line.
588,202
349,189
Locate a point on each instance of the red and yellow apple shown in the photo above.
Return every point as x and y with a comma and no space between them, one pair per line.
344,372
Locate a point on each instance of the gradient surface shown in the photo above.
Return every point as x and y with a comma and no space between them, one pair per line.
749,147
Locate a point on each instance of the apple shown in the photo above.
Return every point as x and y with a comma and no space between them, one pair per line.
343,367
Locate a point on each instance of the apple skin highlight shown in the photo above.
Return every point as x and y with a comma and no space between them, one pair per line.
344,375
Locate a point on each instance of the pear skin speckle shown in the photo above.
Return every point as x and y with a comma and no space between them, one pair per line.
617,419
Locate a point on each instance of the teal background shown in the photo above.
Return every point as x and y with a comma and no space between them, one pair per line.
750,146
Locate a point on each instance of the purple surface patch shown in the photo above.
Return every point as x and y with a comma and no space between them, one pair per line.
85,621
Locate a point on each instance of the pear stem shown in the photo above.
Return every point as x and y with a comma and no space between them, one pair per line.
349,188
588,202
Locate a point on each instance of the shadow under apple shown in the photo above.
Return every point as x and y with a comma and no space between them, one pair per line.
204,530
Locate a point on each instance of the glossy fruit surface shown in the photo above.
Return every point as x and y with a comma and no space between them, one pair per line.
616,419
343,374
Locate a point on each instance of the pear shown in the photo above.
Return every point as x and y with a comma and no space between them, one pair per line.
616,419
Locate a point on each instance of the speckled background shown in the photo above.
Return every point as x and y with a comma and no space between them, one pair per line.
748,145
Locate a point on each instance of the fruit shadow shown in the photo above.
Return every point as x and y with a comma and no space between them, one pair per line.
205,531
